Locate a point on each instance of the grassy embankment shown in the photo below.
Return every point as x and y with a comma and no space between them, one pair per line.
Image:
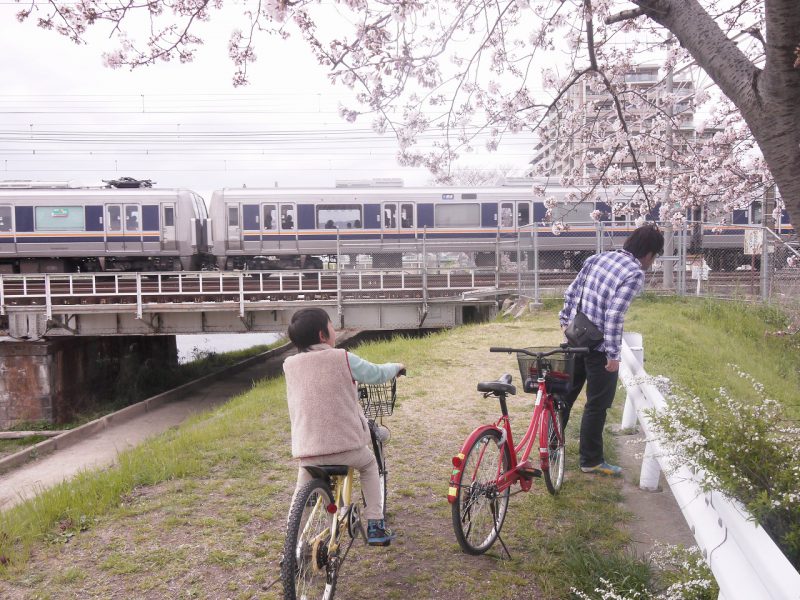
199,511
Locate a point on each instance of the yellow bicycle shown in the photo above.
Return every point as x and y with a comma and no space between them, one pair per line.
316,546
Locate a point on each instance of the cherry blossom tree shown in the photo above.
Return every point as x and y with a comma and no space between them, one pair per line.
473,69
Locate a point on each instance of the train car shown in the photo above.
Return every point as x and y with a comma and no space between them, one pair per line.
278,228
50,228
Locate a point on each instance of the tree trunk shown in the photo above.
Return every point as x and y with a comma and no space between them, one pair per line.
768,99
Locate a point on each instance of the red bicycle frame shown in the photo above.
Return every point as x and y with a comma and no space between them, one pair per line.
520,470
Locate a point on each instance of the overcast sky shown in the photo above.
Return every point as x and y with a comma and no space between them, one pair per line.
67,117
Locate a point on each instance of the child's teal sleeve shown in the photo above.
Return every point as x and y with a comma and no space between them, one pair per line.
367,372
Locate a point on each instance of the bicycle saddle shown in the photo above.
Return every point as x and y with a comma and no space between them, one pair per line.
325,471
501,386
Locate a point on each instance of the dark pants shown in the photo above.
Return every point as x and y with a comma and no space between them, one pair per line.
600,389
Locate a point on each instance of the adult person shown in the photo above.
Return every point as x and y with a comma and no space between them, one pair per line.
603,291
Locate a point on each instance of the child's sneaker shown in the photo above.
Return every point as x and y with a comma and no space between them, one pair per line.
604,469
378,534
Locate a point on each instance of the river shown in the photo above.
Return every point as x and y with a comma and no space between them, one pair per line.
190,346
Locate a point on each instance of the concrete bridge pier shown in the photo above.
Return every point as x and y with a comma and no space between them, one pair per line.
53,380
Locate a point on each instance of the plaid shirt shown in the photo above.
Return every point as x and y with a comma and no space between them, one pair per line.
609,282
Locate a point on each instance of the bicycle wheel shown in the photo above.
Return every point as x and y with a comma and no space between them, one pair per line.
307,572
552,430
479,510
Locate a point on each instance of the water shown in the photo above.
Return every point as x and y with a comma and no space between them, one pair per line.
190,345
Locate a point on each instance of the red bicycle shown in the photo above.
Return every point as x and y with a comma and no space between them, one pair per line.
490,463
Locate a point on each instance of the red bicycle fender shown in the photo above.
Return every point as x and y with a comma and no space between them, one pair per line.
458,459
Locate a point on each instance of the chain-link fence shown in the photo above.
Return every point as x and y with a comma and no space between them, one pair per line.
729,261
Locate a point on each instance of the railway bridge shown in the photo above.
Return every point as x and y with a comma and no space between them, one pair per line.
67,334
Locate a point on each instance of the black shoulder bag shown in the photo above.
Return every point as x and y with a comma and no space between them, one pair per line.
581,332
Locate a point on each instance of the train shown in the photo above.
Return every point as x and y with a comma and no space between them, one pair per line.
128,225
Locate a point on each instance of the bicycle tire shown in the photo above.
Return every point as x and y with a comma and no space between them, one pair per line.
306,569
553,432
479,511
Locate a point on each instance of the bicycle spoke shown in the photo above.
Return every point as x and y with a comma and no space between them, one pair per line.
479,509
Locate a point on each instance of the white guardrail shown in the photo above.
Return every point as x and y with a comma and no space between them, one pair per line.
744,560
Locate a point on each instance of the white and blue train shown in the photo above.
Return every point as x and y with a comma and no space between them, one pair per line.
128,226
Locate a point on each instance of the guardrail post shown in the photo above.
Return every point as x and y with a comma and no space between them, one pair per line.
138,295
764,265
339,307
2,296
519,266
651,470
497,261
241,295
47,299
536,299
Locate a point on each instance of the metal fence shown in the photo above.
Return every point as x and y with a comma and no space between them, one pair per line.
740,262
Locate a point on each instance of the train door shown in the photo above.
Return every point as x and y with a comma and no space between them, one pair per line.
234,226
523,214
132,228
115,238
406,216
507,215
168,239
390,221
269,225
6,230
288,215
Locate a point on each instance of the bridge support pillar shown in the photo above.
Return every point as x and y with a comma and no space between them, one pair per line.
54,380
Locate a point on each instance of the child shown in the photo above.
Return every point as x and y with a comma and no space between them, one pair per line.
328,425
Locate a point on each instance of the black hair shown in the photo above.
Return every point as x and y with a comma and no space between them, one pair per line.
306,325
644,240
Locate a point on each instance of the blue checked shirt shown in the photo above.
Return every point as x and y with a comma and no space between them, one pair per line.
611,279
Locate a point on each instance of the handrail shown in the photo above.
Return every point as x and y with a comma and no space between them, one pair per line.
743,558
140,289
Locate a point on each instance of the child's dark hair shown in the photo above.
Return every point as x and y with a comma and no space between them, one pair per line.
645,239
306,325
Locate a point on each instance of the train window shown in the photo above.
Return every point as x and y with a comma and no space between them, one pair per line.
169,216
575,212
342,216
131,217
506,214
457,215
233,216
270,212
407,216
287,216
755,213
60,218
5,218
390,216
114,218
523,213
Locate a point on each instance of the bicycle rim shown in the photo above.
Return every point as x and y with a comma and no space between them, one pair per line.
479,510
307,572
556,452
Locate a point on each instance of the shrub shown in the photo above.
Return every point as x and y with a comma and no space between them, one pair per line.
745,449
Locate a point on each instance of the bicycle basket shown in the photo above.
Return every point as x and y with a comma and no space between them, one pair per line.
377,399
560,369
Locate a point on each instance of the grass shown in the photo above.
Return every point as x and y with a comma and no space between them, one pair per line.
694,342
200,511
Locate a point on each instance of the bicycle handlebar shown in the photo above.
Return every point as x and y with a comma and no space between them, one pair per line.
563,350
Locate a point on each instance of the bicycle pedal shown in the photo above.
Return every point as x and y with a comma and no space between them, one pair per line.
530,473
